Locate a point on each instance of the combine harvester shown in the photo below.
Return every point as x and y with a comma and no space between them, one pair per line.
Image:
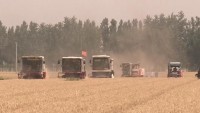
174,69
126,69
132,70
72,67
102,66
32,67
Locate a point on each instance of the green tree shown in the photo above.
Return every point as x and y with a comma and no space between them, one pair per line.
105,34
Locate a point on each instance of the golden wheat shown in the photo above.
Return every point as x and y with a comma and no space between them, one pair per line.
119,95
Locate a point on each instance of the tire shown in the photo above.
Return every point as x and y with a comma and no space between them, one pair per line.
198,76
44,77
20,76
84,76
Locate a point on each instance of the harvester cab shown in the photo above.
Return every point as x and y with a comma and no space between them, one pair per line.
174,69
102,66
32,67
72,67
126,69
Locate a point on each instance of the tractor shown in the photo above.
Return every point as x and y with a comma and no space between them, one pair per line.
174,69
72,67
102,66
32,67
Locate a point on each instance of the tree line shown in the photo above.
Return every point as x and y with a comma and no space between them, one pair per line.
154,41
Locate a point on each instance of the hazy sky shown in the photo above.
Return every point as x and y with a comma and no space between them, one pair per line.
13,12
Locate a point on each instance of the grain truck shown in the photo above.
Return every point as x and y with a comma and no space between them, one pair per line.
32,67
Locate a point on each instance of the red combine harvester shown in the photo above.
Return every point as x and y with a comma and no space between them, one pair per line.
72,67
32,67
137,71
132,70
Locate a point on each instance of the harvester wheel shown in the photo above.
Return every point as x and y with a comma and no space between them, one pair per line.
198,76
44,77
19,76
84,76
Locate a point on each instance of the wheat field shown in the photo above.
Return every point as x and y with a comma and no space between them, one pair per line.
101,95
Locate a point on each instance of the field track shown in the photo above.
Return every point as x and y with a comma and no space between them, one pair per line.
118,95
